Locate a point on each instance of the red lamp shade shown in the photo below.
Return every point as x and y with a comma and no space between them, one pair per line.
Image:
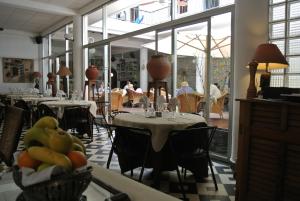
268,56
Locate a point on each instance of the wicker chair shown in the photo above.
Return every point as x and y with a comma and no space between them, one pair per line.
12,128
133,97
116,101
79,118
218,106
189,102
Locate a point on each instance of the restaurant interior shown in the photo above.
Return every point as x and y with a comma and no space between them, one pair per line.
149,100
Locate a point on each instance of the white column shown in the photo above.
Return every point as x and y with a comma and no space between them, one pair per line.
78,70
143,68
251,29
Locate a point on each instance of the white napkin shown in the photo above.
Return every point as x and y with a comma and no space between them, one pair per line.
30,176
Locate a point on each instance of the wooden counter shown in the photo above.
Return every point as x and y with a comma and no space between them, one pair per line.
268,164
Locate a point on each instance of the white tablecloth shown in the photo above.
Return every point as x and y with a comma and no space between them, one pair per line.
65,103
35,100
159,126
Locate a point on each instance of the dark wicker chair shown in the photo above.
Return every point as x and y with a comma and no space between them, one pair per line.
27,111
132,146
44,110
12,128
79,118
190,148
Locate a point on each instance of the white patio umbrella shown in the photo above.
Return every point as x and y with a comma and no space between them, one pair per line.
190,43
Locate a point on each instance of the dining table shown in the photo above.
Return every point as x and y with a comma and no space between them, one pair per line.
160,158
160,127
105,185
59,106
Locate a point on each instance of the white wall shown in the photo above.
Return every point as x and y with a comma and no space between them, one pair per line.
17,44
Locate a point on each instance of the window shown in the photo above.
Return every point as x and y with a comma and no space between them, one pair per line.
284,31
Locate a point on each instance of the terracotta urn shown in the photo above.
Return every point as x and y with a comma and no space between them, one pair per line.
159,67
92,72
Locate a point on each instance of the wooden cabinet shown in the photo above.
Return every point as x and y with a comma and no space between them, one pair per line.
268,163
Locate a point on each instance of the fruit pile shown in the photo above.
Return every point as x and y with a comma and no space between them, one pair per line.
46,145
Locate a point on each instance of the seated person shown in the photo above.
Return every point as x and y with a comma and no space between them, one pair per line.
128,85
185,88
215,92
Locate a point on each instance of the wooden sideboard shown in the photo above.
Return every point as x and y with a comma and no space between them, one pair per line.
268,163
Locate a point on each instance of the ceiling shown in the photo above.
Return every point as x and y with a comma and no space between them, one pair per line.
36,15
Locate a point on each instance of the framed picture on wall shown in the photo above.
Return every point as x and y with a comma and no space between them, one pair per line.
17,70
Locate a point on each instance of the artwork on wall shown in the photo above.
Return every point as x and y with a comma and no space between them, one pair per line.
17,70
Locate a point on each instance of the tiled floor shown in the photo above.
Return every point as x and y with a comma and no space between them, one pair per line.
98,150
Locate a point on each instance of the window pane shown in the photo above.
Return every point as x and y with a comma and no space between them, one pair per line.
190,7
70,34
280,45
276,1
277,12
58,43
294,66
294,46
294,9
294,28
94,27
276,81
294,81
277,30
127,16
277,71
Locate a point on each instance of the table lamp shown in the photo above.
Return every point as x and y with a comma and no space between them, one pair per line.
267,57
63,72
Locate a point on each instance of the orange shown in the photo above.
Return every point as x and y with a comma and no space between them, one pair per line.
77,158
24,160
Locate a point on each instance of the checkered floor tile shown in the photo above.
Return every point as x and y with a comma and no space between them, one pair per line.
98,151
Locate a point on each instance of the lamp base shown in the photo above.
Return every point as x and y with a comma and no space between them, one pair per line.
252,91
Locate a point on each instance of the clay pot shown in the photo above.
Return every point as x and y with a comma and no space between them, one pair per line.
92,72
159,67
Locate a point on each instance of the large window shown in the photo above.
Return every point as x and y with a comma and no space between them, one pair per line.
284,31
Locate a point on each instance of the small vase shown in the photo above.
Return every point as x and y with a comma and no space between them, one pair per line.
92,72
159,67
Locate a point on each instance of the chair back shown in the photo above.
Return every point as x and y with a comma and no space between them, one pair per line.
131,145
189,102
133,96
116,101
12,128
192,140
44,110
218,106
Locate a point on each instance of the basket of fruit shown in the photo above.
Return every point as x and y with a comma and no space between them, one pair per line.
52,167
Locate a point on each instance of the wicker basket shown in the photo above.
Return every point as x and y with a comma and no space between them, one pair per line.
66,187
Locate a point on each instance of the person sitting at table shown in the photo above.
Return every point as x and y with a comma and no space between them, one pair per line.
185,88
215,92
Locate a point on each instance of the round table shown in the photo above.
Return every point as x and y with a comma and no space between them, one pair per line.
159,126
65,103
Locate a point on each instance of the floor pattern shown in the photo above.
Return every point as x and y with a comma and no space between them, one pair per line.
98,151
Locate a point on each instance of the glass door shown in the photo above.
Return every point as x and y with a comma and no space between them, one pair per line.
219,84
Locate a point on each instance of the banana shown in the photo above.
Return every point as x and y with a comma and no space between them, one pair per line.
43,166
77,147
47,155
59,140
78,141
46,122
35,134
